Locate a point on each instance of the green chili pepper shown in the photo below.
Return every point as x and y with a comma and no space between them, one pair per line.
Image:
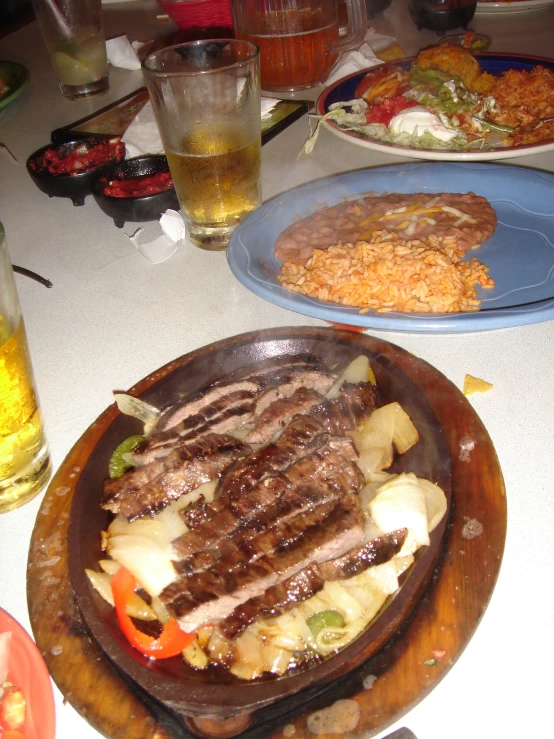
118,465
325,619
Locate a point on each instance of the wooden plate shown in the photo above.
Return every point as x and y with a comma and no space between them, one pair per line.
441,625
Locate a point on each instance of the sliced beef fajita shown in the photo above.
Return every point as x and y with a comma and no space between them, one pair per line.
211,595
300,438
354,404
309,581
316,483
280,411
299,372
145,490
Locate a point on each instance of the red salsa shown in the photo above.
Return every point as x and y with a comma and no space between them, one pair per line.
385,111
136,187
75,158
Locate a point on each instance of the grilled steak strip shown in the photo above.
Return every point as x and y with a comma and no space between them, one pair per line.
144,490
280,411
243,549
312,483
304,373
301,437
309,581
289,382
276,600
228,411
309,481
353,405
271,364
193,404
211,596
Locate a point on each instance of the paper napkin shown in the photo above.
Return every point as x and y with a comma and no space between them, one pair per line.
161,248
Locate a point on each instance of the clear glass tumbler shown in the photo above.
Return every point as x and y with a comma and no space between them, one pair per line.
24,458
74,35
206,98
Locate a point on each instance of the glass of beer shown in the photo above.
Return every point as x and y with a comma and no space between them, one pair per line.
206,98
24,458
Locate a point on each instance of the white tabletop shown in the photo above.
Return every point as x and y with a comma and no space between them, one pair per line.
112,317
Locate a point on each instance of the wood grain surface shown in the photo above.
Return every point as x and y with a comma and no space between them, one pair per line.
400,675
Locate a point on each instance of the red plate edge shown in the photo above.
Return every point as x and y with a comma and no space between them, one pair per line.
28,671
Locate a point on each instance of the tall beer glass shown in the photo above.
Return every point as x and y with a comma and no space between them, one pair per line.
206,98
24,458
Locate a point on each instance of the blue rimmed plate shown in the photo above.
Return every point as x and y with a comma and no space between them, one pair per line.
496,64
520,254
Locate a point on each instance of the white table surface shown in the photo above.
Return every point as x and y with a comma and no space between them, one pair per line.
112,317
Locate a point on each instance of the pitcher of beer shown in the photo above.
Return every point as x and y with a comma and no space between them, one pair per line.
299,40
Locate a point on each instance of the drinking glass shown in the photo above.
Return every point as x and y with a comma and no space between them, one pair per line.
206,98
24,458
74,36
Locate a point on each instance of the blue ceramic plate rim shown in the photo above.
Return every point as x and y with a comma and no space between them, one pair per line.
21,74
520,254
344,88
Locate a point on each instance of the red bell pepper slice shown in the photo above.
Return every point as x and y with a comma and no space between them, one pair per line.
171,641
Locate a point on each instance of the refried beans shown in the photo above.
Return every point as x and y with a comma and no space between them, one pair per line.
468,217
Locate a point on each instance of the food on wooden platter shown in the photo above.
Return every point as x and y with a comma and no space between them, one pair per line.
257,522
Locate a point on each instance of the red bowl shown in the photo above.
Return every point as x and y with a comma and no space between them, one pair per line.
199,13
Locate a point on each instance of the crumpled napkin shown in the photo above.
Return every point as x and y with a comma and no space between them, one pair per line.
362,58
161,248
143,137
122,53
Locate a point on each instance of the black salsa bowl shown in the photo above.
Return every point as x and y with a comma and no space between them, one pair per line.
139,208
73,186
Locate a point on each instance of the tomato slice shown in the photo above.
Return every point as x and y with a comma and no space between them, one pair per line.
171,641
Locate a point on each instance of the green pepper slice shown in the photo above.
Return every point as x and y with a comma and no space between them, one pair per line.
118,465
325,619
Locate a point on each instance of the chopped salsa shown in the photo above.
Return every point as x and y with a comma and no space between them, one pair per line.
135,187
76,158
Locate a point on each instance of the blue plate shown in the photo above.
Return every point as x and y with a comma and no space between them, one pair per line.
344,89
520,254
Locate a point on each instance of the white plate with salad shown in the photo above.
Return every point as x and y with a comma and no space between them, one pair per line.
431,114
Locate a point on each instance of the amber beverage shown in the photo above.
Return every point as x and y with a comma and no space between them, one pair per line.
296,47
299,40
24,459
216,175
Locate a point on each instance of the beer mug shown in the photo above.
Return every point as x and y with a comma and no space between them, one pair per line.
24,458
299,40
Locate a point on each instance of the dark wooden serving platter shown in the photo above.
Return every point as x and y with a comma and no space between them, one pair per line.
407,668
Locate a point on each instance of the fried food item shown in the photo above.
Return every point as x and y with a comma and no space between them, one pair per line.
456,61
524,97
476,385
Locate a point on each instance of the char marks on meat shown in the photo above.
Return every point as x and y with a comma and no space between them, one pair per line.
295,368
354,404
223,407
211,595
309,581
144,490
322,478
280,411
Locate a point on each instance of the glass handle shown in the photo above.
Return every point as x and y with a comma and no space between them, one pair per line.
357,26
